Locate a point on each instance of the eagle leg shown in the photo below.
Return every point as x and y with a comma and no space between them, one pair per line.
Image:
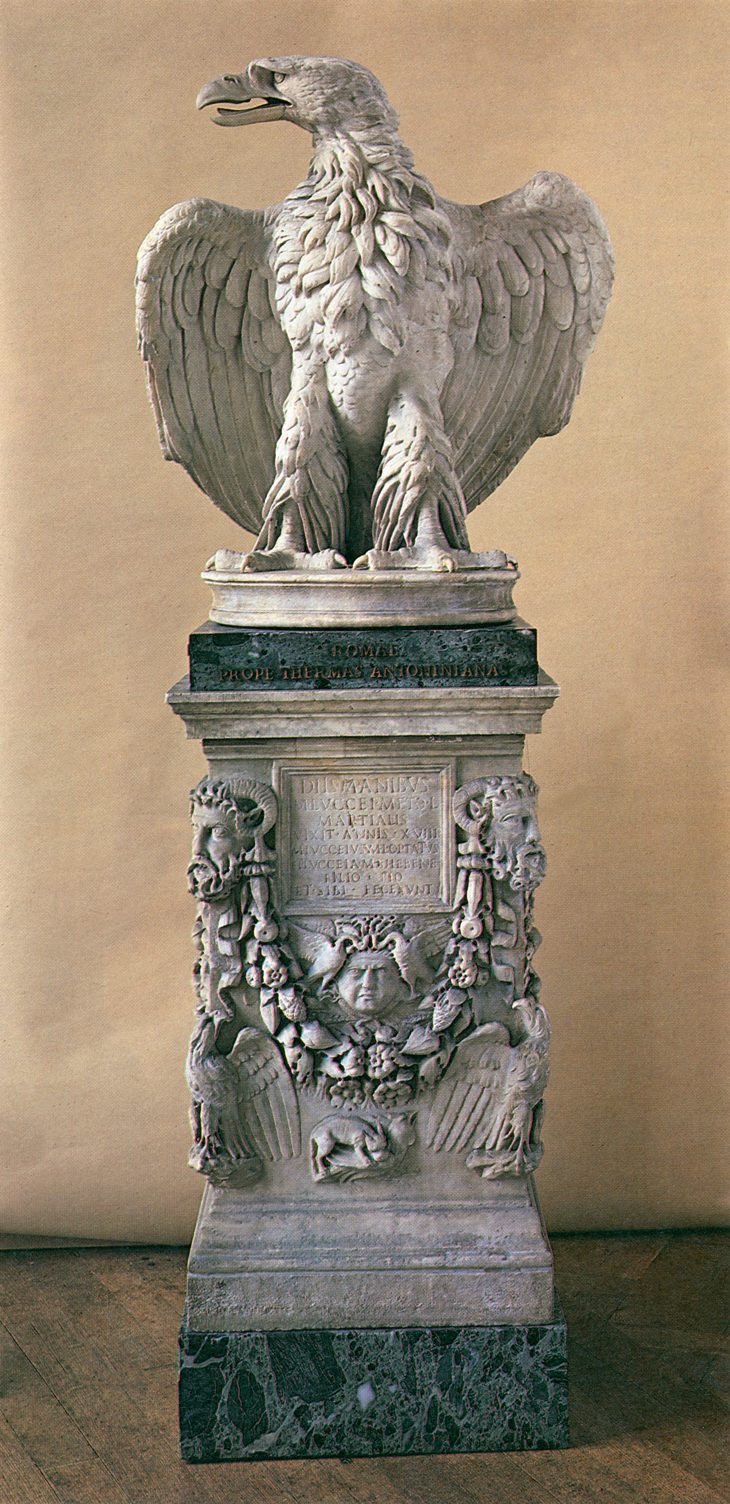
305,512
418,508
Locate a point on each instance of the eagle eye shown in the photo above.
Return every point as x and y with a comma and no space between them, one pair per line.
279,78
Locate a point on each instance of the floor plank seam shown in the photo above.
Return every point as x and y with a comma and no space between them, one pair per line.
48,1384
542,1484
34,1465
649,1392
119,1301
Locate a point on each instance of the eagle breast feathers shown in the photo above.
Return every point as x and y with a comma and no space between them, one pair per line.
358,267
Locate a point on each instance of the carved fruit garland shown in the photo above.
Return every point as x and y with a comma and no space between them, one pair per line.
370,1062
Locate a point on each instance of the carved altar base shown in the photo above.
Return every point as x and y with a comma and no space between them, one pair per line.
370,1273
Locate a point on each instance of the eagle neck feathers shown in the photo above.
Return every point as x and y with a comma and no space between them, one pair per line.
363,228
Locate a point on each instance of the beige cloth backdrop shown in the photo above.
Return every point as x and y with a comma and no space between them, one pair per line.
618,525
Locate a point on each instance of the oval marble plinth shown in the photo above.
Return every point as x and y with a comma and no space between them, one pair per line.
355,598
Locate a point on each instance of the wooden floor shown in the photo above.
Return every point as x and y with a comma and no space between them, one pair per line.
87,1379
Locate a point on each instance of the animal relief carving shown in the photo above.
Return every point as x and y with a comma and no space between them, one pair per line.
244,1108
385,1018
491,1100
356,1148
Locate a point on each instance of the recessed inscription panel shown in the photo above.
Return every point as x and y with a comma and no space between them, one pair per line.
366,839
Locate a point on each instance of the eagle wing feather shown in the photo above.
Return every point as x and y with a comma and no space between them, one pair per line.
218,361
268,1098
538,274
465,1099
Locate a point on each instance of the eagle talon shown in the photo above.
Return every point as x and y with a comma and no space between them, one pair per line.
441,560
327,559
339,376
261,560
374,559
438,560
226,561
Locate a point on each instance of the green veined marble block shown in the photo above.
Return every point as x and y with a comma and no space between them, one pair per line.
234,658
371,1393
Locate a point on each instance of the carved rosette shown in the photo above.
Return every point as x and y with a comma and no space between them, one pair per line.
386,1020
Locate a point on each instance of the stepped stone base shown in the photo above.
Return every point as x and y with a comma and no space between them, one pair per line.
370,1274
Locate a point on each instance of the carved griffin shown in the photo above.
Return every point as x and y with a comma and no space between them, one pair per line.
349,373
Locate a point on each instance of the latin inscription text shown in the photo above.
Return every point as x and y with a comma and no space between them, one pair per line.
366,837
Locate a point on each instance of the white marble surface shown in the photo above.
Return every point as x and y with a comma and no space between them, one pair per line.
326,1209
361,598
350,374
445,1252
248,715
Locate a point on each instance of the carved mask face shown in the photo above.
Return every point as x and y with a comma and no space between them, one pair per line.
514,841
217,853
370,984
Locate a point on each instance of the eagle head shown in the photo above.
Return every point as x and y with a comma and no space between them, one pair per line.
320,94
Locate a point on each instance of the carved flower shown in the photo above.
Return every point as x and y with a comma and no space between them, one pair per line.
275,972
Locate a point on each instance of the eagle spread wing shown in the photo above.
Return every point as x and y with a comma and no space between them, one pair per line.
218,361
366,362
241,1100
466,1097
267,1096
490,1099
539,271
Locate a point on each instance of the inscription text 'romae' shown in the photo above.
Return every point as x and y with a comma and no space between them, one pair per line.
370,836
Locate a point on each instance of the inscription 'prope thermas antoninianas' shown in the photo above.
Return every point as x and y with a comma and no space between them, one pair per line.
278,658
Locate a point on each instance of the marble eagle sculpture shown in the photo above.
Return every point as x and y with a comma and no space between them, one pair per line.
349,373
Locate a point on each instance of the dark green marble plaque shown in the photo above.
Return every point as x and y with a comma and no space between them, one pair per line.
236,658
373,1393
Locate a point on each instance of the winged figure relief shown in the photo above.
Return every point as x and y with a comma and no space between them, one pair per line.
244,1106
351,372
490,1101
404,953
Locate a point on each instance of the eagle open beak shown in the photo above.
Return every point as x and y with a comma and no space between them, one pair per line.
239,89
